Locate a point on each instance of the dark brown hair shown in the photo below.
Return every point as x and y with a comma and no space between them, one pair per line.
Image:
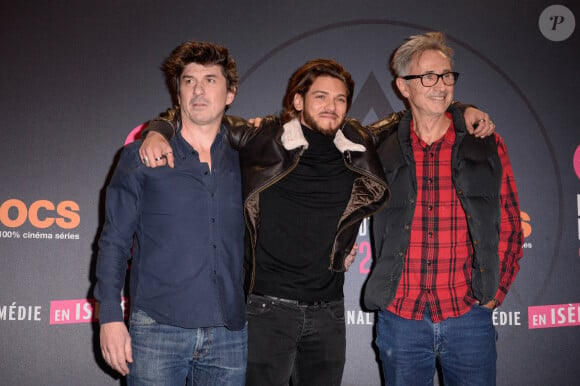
204,53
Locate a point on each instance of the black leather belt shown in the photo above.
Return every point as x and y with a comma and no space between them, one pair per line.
298,303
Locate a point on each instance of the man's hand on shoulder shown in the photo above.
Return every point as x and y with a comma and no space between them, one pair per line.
156,151
478,122
256,122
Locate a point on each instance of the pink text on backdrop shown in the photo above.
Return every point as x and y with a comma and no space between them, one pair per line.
556,315
78,311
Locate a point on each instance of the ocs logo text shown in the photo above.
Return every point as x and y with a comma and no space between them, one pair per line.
40,214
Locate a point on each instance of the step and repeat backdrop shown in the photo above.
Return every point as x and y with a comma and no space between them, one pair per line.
78,76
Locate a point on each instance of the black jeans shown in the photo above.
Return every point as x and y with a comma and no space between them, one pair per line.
302,342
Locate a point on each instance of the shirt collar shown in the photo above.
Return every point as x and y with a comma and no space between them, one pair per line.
448,138
184,149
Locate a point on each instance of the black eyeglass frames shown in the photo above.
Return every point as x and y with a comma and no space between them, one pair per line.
431,79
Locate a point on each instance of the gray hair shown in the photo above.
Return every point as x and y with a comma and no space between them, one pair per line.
418,44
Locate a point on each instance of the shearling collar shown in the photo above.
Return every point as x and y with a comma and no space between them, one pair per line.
293,137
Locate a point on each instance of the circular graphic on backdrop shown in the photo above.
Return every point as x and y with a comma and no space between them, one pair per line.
263,84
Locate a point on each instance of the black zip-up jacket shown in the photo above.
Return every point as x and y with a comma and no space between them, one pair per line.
270,152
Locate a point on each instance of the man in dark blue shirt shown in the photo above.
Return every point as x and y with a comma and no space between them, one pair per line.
185,229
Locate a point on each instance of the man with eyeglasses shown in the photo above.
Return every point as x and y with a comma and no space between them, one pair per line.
448,243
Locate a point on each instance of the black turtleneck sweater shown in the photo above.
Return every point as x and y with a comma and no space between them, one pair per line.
299,217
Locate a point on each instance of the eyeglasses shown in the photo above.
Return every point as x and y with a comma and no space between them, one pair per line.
431,79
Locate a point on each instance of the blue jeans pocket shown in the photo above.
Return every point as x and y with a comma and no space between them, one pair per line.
486,309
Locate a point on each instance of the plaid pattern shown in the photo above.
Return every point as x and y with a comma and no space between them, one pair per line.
437,270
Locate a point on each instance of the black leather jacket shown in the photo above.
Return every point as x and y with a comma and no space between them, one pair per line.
270,152
477,173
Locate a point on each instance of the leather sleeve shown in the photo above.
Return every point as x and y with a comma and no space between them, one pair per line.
165,124
381,129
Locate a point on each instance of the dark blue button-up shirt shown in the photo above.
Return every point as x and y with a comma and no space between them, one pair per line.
185,229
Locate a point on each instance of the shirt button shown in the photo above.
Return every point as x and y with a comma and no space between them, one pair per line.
213,220
430,234
430,207
428,262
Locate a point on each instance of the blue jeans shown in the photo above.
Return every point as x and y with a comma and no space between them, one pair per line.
298,342
463,346
169,355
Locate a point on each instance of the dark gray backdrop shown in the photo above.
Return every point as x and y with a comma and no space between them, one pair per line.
77,76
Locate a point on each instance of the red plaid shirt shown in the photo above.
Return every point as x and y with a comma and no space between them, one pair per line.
437,270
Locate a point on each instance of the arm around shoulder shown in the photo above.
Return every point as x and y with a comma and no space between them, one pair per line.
165,124
240,131
156,150
382,128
